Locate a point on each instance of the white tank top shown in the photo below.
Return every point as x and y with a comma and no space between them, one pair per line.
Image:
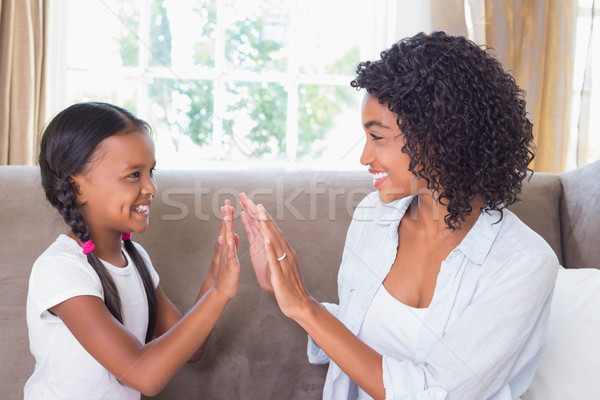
391,328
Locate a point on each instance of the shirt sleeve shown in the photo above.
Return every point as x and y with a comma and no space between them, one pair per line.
314,352
475,356
60,277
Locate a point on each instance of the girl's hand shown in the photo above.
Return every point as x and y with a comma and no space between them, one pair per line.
224,271
258,255
285,273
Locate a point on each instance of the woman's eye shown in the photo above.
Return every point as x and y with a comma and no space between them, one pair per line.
374,136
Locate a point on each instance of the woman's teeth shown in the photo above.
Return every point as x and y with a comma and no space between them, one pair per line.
379,175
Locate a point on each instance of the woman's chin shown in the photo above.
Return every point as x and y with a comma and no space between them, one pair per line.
388,196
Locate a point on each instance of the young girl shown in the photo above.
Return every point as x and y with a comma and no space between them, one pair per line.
100,326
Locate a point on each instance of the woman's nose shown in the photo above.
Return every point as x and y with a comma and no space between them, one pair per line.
367,154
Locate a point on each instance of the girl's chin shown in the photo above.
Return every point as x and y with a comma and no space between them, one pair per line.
138,230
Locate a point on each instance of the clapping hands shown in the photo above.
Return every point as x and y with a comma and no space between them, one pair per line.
274,260
224,271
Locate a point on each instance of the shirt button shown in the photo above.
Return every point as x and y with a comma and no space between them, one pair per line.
439,394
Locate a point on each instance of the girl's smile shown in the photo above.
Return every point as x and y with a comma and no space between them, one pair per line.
143,209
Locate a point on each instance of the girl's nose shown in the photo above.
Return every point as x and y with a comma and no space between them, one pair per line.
149,186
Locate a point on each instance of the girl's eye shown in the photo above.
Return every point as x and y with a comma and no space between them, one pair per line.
152,171
135,175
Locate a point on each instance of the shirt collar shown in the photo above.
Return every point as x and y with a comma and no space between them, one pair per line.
392,212
477,244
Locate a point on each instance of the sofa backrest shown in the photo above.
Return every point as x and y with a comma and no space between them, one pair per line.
539,207
313,208
28,224
253,342
580,216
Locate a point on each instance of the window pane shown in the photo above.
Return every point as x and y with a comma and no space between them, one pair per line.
594,127
186,106
180,113
101,86
327,48
102,34
182,33
256,120
584,142
257,33
329,124
216,79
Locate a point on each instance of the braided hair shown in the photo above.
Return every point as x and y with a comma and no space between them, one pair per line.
67,148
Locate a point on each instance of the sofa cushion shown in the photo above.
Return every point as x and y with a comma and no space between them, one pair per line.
28,225
541,196
580,218
570,364
14,346
254,352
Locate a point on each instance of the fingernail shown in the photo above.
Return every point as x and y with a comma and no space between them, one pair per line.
220,240
262,212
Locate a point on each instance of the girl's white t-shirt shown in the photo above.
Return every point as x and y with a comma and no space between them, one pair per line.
63,368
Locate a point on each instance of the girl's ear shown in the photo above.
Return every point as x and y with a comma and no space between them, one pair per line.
79,197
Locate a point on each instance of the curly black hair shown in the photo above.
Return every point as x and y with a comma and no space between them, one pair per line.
463,117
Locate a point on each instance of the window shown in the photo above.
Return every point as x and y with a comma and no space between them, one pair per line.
256,83
225,83
584,140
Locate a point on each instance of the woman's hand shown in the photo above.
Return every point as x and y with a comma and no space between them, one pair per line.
258,255
224,270
276,265
286,280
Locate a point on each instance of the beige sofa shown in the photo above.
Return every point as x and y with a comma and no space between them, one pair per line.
254,352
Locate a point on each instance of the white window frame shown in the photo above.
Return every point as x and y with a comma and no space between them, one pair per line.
390,23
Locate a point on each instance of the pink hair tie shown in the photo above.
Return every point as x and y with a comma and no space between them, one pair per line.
88,247
126,236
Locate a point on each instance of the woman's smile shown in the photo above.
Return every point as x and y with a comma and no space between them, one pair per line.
378,177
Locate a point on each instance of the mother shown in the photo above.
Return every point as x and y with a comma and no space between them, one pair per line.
443,292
